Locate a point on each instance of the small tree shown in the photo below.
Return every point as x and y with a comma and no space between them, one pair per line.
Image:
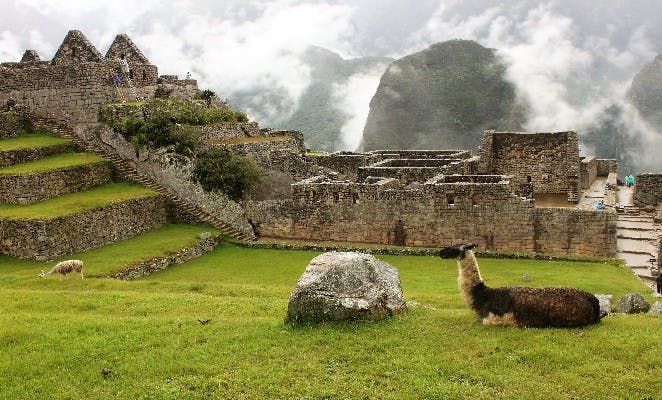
221,170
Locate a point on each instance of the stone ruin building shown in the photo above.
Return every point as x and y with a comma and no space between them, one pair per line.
522,192
79,79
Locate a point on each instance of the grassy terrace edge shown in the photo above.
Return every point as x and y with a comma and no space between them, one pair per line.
33,140
50,163
73,203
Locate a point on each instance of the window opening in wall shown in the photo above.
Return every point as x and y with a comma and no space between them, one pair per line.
528,179
336,198
73,52
475,199
144,75
450,199
355,198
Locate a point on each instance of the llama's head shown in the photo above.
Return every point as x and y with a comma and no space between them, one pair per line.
456,251
42,274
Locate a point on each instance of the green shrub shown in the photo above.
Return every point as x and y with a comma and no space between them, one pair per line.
221,170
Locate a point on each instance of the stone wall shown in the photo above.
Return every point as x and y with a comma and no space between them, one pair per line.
71,92
576,232
481,209
159,264
31,188
647,190
549,161
280,155
606,166
385,212
32,153
344,162
221,132
170,86
414,170
53,238
588,171
12,122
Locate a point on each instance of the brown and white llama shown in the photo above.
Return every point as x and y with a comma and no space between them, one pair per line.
65,267
561,307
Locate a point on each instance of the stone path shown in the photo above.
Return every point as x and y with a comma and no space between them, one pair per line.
638,237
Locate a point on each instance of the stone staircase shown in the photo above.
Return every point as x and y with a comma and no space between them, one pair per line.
128,172
638,239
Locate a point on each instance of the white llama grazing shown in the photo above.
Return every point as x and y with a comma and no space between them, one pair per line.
65,267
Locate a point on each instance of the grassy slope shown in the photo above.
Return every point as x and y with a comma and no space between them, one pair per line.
29,141
72,203
57,335
59,161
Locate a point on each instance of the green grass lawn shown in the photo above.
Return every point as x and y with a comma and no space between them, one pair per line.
56,336
59,161
72,203
31,141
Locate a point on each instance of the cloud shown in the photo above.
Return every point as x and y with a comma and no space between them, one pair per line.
353,99
231,46
568,71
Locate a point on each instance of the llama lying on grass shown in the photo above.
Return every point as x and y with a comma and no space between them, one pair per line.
521,306
65,267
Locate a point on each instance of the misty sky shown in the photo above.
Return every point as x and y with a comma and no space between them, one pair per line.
568,58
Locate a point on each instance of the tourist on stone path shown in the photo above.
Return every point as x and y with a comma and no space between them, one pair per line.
658,280
629,180
600,205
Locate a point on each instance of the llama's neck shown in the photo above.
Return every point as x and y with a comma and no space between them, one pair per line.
468,275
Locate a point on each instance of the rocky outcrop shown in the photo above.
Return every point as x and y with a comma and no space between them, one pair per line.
343,286
440,98
606,301
646,92
632,303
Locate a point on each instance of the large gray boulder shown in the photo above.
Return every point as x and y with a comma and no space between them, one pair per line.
656,308
632,303
606,301
341,286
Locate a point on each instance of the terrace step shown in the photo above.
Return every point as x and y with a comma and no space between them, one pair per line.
79,221
130,173
52,176
27,148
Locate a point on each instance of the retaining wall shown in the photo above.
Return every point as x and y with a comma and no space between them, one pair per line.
31,188
49,239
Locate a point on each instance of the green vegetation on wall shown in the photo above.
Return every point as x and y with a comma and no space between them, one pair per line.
165,122
221,170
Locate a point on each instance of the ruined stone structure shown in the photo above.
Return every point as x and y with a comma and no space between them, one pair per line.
78,80
407,198
435,198
648,190
549,162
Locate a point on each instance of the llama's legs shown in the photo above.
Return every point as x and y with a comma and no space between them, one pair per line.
507,319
